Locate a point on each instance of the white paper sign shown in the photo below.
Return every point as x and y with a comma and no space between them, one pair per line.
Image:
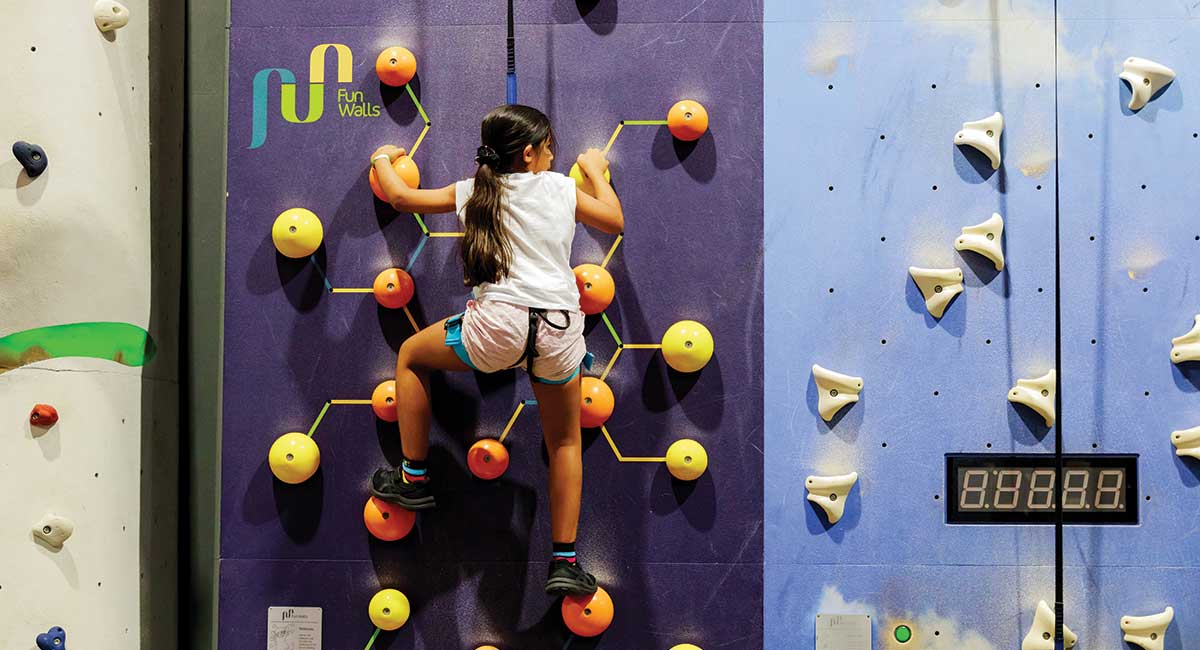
293,628
843,632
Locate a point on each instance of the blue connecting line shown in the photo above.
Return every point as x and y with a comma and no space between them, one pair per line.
324,278
412,259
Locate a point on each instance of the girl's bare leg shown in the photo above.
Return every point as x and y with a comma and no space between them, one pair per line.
424,351
558,406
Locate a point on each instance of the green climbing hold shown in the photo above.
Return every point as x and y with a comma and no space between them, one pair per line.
123,343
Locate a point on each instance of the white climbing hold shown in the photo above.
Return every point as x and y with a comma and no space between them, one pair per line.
1147,631
1145,77
984,135
110,15
986,239
830,492
938,286
1187,347
1187,442
1037,394
834,390
54,530
1041,635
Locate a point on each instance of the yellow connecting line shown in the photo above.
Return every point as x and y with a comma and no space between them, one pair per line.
324,409
628,459
607,369
623,123
611,250
411,320
604,264
425,232
623,346
612,330
513,420
413,152
608,147
420,109
603,429
425,229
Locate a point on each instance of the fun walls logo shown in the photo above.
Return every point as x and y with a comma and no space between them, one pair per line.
351,103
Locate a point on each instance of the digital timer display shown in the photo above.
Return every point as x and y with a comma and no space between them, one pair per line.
1020,489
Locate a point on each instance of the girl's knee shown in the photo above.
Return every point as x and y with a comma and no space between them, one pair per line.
406,358
555,440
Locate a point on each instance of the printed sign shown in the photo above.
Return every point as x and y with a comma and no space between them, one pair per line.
293,628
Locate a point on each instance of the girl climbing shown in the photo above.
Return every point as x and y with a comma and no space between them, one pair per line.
519,220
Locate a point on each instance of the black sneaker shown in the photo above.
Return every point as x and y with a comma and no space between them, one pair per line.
569,579
389,485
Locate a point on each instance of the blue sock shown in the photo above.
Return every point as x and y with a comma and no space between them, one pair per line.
414,471
564,552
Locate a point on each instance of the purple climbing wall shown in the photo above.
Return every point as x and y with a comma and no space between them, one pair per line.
683,561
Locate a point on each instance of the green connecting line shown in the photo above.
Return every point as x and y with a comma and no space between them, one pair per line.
313,428
612,330
642,122
373,637
417,103
421,223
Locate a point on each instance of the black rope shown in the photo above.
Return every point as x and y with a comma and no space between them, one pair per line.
1058,436
512,42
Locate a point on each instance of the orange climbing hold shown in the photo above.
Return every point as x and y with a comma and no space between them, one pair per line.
488,459
405,167
43,415
396,66
383,401
588,615
596,288
387,521
394,288
687,120
596,403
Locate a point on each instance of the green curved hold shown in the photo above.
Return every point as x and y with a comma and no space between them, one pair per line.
123,343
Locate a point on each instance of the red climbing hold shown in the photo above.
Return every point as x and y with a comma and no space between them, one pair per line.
43,415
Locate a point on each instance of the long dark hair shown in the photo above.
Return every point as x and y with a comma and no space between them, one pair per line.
505,132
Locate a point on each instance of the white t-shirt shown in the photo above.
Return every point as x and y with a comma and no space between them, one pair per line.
539,213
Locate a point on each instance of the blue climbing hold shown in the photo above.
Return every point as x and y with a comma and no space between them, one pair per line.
32,157
55,639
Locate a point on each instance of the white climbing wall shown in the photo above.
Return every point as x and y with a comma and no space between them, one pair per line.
76,245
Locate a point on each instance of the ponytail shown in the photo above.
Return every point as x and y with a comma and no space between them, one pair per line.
506,131
486,252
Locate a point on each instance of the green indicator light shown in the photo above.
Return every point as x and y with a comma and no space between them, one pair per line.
903,633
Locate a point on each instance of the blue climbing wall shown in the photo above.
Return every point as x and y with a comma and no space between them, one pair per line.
681,560
862,101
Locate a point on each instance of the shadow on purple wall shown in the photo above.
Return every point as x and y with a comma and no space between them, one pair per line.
296,507
302,284
698,157
600,15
